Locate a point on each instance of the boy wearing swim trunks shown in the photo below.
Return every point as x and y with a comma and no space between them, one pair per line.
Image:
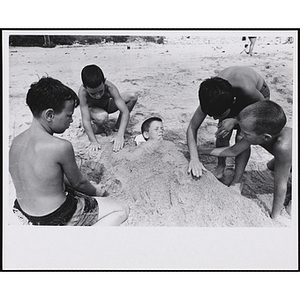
263,123
99,98
39,162
223,97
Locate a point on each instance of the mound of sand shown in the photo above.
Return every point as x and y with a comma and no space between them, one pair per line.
156,186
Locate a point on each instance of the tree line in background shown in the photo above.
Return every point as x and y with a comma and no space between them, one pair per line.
53,40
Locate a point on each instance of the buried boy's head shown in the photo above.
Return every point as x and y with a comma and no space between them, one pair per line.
261,121
216,97
152,129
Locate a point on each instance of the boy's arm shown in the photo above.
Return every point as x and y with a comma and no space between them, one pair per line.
225,126
234,150
122,107
283,163
66,158
195,166
86,119
251,95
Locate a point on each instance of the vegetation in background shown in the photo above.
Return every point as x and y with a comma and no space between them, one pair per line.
40,40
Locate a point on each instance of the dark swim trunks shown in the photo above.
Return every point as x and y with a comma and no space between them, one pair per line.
265,91
77,210
103,102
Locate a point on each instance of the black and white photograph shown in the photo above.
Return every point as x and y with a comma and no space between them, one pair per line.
152,149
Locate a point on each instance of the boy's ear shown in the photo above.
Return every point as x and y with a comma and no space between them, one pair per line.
146,135
49,114
267,137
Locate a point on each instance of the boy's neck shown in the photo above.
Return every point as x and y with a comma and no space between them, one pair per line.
41,125
271,141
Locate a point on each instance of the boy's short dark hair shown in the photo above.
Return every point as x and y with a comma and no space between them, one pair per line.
216,95
49,93
92,76
267,117
146,124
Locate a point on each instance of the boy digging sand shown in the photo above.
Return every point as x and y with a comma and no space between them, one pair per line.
39,162
223,97
263,123
98,98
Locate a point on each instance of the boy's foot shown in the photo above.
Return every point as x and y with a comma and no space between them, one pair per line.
100,129
238,187
219,171
288,208
284,218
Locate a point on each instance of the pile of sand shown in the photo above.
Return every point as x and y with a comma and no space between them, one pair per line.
159,191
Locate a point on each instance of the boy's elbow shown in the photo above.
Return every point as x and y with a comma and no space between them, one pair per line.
80,183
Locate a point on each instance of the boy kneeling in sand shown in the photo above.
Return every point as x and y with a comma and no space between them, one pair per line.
263,123
223,97
39,162
98,98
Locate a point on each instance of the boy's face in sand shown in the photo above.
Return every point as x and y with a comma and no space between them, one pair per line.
250,136
156,131
97,92
61,121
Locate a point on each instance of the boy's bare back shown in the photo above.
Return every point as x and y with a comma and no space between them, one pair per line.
242,77
36,171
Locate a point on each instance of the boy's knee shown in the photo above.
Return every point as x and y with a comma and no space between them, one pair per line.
238,137
123,212
100,118
133,97
270,165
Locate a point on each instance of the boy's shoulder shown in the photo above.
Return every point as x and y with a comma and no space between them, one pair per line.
61,144
82,90
284,141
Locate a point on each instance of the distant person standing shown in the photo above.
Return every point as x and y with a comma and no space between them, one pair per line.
47,42
252,40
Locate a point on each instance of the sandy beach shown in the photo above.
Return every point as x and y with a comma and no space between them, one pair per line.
166,78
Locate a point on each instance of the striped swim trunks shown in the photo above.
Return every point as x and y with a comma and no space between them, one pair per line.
77,210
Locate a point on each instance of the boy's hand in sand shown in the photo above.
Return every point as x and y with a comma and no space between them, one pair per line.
94,146
196,167
283,218
118,141
225,127
100,191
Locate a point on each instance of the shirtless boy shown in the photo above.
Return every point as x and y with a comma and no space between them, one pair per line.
99,98
41,165
263,123
223,97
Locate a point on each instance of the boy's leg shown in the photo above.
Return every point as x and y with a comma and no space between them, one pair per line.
99,117
111,213
240,165
222,142
130,99
271,164
252,43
